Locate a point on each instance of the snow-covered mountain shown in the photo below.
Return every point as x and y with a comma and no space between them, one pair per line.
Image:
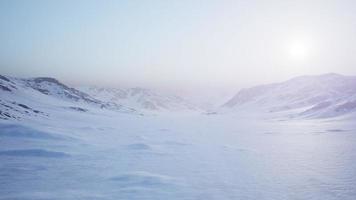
141,98
60,143
327,95
38,96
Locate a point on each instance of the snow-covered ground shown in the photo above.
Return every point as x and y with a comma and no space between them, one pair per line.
110,155
57,142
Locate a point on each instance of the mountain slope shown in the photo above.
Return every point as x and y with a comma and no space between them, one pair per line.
327,95
141,99
39,96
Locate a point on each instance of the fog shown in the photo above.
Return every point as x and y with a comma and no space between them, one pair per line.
176,44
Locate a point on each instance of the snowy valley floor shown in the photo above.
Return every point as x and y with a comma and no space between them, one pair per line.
176,156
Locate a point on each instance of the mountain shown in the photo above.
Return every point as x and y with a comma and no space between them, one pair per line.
141,98
39,96
327,95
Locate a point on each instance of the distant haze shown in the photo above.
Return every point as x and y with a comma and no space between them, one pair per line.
176,43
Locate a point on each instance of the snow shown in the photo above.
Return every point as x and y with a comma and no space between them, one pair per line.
322,96
109,154
177,156
141,99
33,153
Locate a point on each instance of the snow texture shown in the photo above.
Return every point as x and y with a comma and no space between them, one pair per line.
73,148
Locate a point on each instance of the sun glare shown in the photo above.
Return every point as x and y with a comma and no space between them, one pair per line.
298,50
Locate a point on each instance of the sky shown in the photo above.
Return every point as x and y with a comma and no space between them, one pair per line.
181,43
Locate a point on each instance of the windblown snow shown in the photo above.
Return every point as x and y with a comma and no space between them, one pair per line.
58,142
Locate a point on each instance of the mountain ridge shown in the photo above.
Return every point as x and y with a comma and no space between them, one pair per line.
141,98
26,97
325,95
312,96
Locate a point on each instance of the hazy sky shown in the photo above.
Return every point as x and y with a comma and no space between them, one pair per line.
176,42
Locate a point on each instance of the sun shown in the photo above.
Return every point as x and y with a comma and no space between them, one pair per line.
298,50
